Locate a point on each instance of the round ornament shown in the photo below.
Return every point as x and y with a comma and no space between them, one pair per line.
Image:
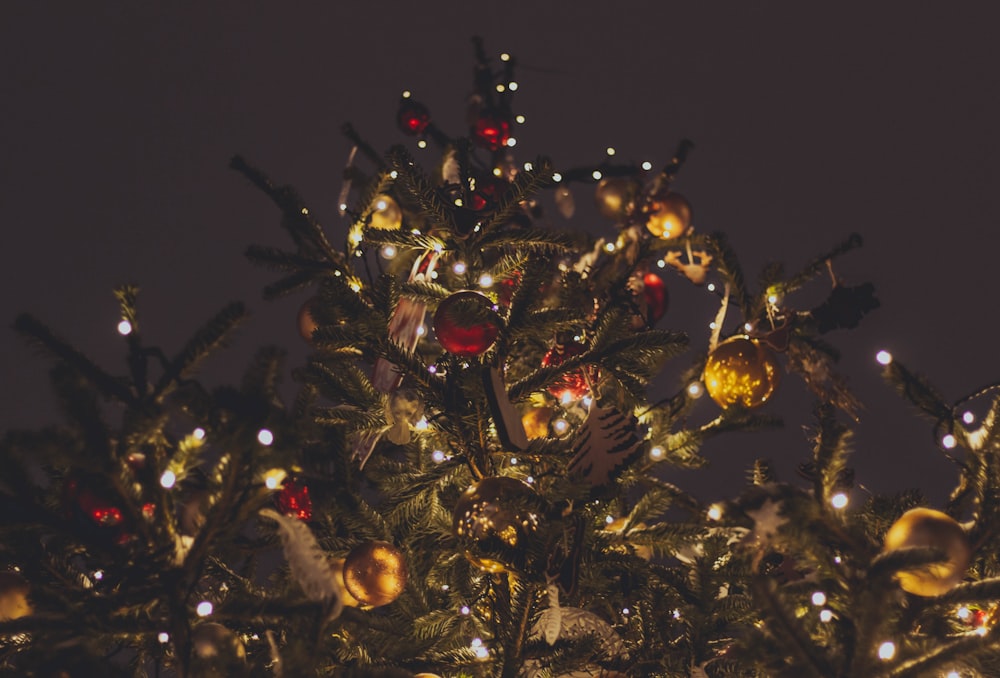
924,527
293,500
650,294
386,214
337,571
669,216
572,385
14,602
307,324
487,192
614,196
375,573
217,651
90,501
466,324
412,117
493,520
741,371
491,130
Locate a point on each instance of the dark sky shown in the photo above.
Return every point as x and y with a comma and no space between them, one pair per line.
811,120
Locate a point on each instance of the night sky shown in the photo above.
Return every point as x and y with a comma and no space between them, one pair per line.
809,120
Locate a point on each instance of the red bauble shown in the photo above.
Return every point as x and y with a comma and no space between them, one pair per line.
654,292
466,323
293,500
487,193
88,500
573,385
491,130
413,117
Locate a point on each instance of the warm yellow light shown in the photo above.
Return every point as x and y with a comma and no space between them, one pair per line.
714,512
596,174
656,453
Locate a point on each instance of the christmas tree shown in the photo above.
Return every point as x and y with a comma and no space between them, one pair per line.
473,478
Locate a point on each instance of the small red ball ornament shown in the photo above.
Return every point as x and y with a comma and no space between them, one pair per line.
466,323
573,385
487,193
293,500
413,117
654,293
491,130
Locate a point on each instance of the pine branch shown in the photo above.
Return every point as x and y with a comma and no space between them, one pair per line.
210,337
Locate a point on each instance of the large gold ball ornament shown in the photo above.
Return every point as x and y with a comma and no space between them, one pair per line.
669,216
387,214
924,527
14,602
741,371
493,520
614,196
375,573
217,651
337,570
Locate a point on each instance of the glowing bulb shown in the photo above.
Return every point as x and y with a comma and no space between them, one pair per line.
530,480
566,398
609,519
406,94
695,389
388,252
647,165
500,88
887,650
519,119
948,441
199,433
343,207
168,479
884,357
661,263
393,174
274,478
204,608
747,326
421,330
982,631
422,143
560,426
512,142
356,237
459,268
381,205
458,202
609,247
626,611
964,612
825,615
98,575
505,57
711,287
968,417
485,280
714,512
421,425
819,598
952,674
656,453
432,369
839,500
437,456
265,437
610,151
528,167
305,211
513,461
556,176
356,286
676,614
711,325
772,298
512,86
597,175
587,400
163,637
465,609
124,328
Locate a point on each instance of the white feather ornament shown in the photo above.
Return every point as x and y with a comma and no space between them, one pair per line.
309,563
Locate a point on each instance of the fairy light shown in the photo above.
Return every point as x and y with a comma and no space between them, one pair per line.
883,357
421,330
204,608
198,433
459,268
501,88
124,328
513,461
437,456
948,441
163,637
714,512
511,142
343,207
356,237
480,650
609,150
445,587
432,369
968,417
656,453
711,325
838,559
422,143
819,599
305,211
355,286
168,479
647,165
393,174
388,252
485,280
661,263
519,119
747,327
556,177
695,389
458,202
710,287
98,575
982,631
587,400
952,674
406,94
512,86
528,167
422,424
530,480
609,519
566,398
825,615
465,610
560,426
839,500
597,175
609,247
626,611
887,650
505,57
676,614
964,613
265,437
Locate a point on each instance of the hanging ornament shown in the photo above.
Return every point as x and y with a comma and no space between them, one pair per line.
565,202
386,214
650,296
669,216
337,573
615,196
510,428
487,192
88,500
607,441
375,573
14,602
536,422
308,563
491,129
741,371
845,307
403,409
694,268
572,385
293,500
412,117
307,324
404,326
466,323
493,519
572,623
217,651
927,528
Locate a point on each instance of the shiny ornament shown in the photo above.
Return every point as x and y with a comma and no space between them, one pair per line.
386,214
293,500
412,117
536,422
669,216
491,130
572,385
307,324
493,519
337,572
651,298
90,501
741,371
217,651
927,528
615,196
14,602
375,573
466,324
487,193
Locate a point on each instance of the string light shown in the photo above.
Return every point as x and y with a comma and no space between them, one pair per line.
676,614
626,611
168,479
388,252
656,453
772,299
825,615
839,500
500,88
437,456
406,94
968,417
587,400
513,461
393,174
465,610
505,57
511,142
556,176
485,280
560,426
609,519
459,268
610,150
421,330
710,287
948,441
647,165
952,674
695,389
884,357
421,425
98,575
163,637
818,598
519,119
512,86
265,437
714,512
964,612
124,328
204,608
609,247
528,167
198,433
422,144
596,174
887,650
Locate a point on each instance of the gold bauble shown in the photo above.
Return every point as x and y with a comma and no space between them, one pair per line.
375,573
741,371
386,214
337,570
618,526
924,527
307,324
669,216
614,196
536,422
493,520
217,651
14,602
